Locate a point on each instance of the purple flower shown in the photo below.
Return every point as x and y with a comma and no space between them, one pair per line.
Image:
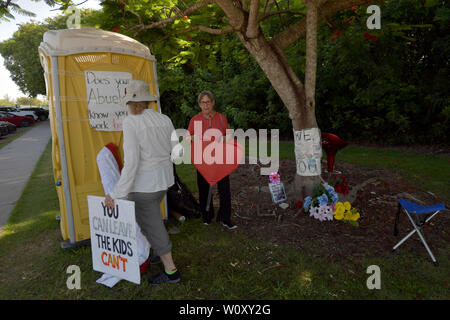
274,177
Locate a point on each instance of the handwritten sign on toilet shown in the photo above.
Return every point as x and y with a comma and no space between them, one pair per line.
105,91
113,238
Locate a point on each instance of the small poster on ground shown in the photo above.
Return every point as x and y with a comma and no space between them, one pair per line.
278,192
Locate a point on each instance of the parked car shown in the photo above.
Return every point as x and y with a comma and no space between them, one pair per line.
40,112
11,126
17,120
19,112
3,129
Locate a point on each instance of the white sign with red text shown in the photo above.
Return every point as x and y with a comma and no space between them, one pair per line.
113,239
105,91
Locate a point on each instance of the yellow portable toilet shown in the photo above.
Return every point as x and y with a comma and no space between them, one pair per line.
86,72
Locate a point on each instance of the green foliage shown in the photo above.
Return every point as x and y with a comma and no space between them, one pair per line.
21,51
8,10
7,101
394,88
390,86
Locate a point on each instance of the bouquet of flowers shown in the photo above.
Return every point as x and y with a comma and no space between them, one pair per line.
345,212
339,183
322,205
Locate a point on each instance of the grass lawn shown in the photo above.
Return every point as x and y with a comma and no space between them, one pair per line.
214,263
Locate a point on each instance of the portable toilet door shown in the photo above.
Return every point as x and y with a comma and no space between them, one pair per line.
86,71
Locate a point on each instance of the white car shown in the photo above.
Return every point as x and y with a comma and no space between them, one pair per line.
19,112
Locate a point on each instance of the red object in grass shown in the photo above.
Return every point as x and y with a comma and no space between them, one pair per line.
332,144
188,37
366,35
373,39
354,9
348,19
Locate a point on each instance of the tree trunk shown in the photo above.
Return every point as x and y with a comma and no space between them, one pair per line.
305,184
298,99
291,91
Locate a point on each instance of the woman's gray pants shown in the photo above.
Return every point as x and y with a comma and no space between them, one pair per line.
148,217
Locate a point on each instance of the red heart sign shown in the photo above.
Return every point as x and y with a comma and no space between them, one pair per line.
216,160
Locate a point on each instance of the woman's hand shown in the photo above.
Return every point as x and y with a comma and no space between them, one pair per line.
109,202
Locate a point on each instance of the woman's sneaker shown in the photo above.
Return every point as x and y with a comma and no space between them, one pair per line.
163,277
230,225
155,260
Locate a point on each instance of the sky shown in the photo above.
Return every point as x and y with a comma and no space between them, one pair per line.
42,11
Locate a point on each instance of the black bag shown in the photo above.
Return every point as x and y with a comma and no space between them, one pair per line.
181,200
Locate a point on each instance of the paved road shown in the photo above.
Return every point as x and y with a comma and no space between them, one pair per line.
17,161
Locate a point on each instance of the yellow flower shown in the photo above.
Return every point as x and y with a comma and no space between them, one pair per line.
339,214
347,205
355,216
347,215
340,209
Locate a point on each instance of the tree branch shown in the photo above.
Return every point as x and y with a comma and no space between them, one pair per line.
201,28
5,5
292,12
234,14
298,30
311,52
244,5
253,26
164,22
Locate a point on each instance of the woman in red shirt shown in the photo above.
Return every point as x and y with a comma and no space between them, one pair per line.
209,118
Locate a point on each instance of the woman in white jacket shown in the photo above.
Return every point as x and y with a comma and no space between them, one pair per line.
147,172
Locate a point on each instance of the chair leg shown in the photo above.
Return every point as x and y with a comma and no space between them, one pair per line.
404,239
419,232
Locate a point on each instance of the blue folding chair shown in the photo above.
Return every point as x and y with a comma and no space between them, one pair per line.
414,211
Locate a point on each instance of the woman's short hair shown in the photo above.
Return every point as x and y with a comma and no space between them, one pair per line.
205,93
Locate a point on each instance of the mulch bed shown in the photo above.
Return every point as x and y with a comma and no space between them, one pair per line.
257,216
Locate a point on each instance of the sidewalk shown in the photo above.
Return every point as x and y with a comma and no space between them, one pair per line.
17,162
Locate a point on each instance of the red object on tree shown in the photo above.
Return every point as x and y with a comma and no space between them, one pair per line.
332,144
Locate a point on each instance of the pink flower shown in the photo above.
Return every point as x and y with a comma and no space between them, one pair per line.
274,177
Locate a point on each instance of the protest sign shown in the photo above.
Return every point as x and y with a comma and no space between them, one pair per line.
105,91
113,239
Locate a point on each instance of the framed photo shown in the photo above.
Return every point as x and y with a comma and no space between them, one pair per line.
278,192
